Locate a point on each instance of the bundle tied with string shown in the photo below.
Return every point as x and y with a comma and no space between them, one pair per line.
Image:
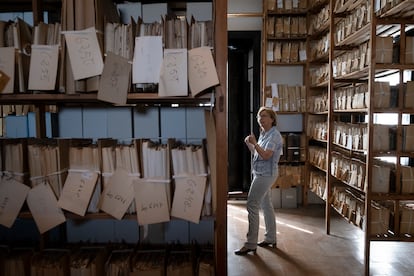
190,178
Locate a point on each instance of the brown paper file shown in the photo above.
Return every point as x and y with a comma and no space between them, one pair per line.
7,65
118,194
77,191
115,80
173,76
188,197
12,196
202,72
44,208
151,201
43,67
84,53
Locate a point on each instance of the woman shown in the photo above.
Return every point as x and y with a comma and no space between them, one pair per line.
266,153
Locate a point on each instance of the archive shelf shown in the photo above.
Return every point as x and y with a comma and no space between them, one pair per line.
369,199
317,98
284,37
217,99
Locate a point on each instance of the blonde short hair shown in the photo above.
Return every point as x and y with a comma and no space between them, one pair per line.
269,112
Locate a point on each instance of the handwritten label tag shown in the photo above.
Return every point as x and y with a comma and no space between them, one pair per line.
114,84
147,59
43,67
202,72
44,208
173,77
151,201
118,194
188,197
7,64
84,53
12,196
77,191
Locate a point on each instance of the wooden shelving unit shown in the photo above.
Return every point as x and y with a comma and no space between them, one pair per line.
217,99
346,171
317,92
283,45
363,155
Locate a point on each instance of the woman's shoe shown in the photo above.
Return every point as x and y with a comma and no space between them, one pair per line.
244,251
265,243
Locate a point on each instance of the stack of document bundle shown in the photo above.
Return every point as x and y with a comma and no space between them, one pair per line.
88,261
50,262
48,162
148,262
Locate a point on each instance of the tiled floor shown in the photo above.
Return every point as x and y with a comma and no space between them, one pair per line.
304,248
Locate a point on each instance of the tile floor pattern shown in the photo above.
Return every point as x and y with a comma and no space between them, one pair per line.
304,248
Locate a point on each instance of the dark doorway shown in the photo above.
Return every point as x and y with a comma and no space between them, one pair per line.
243,101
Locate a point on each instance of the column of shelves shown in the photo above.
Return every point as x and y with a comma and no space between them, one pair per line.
284,48
317,116
370,118
347,92
388,195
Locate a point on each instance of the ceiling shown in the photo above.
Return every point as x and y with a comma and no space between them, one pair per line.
26,5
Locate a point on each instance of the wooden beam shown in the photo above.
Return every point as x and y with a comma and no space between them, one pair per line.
37,7
220,11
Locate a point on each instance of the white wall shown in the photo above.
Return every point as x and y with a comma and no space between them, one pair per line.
244,15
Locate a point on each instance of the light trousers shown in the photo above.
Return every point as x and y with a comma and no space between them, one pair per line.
259,198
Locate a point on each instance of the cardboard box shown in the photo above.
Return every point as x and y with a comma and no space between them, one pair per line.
384,47
380,179
380,220
409,49
289,198
409,95
408,138
275,194
407,221
407,180
382,95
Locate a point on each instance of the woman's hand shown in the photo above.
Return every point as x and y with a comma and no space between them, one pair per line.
252,139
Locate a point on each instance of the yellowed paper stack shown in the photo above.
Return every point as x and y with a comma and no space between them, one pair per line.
15,159
88,261
50,262
48,162
17,261
179,263
175,32
200,34
149,262
119,263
